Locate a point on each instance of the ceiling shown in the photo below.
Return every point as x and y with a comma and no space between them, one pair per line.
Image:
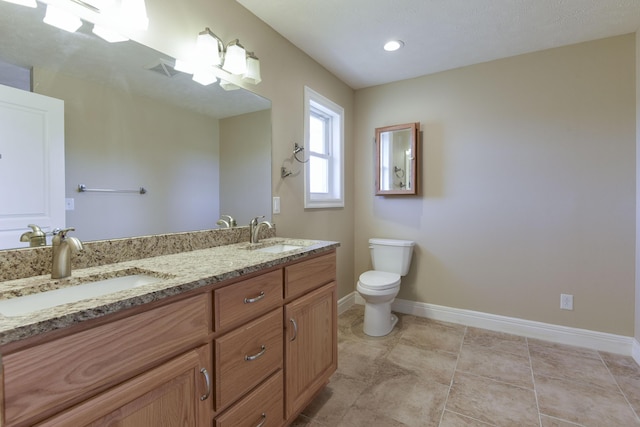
346,36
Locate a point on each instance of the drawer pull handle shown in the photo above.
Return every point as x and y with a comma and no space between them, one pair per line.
263,418
207,381
295,330
256,299
255,356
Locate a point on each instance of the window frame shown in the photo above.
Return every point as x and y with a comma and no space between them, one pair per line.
322,107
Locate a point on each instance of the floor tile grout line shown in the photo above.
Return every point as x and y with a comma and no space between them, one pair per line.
453,375
619,388
533,379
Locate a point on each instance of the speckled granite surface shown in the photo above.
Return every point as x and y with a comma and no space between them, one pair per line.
180,272
26,262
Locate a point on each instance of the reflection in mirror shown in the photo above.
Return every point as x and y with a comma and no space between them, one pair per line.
132,121
396,159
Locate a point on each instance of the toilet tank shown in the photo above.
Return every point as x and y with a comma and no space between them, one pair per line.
391,255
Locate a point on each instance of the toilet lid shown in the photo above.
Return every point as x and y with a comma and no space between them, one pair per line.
379,279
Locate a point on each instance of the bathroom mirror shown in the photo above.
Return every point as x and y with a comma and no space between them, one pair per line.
396,159
200,151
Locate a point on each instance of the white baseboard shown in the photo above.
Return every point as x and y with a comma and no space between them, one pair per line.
346,302
635,351
601,341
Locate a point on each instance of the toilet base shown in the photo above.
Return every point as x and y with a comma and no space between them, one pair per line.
378,319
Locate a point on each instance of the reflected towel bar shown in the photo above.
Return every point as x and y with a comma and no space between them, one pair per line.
83,189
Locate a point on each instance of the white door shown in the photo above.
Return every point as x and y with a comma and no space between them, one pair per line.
31,164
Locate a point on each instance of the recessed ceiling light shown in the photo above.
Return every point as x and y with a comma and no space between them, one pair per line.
392,45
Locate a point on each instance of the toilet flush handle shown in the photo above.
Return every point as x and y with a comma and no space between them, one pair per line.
295,329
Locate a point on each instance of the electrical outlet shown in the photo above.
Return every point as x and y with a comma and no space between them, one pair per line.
566,302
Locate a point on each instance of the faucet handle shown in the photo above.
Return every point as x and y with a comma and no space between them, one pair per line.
254,221
63,233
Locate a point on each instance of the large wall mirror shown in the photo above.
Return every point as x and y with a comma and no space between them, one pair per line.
132,121
397,159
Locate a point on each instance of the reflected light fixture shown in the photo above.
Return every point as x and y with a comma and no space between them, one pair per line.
235,58
205,76
252,75
28,3
62,19
393,45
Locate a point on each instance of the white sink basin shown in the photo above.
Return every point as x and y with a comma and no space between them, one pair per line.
276,249
26,304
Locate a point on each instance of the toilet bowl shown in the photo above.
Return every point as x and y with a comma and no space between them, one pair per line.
379,287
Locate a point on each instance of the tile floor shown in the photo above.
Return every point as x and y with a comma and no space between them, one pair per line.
430,373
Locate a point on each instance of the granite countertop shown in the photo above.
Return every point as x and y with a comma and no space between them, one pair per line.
177,273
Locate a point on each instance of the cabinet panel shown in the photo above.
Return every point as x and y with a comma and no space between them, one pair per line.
242,301
169,395
264,405
246,356
311,351
304,276
73,368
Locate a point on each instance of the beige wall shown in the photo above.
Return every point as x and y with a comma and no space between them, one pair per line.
115,139
637,287
245,153
285,72
528,185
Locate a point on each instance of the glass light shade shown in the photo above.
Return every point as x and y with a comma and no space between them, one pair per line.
184,66
235,59
28,3
204,76
133,13
108,34
228,86
252,75
62,19
208,48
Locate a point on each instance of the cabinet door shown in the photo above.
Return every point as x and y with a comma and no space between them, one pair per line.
173,394
311,348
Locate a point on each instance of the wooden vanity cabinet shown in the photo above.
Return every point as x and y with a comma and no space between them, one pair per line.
44,379
311,342
250,353
173,394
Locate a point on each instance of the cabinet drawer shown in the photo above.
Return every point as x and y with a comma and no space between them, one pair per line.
307,275
243,301
46,378
263,405
246,356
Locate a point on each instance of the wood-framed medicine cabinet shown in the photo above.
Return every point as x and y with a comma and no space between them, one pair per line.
397,159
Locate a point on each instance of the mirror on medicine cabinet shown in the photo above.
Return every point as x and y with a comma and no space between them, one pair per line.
396,159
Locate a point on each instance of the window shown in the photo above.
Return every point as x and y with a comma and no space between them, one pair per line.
324,146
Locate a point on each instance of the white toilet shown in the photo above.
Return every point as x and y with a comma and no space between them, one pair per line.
391,259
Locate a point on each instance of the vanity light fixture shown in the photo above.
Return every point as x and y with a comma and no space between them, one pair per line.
209,48
393,45
112,19
210,60
235,58
28,3
252,75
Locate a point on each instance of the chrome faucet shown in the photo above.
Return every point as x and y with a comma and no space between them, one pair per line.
254,228
229,222
63,246
35,237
